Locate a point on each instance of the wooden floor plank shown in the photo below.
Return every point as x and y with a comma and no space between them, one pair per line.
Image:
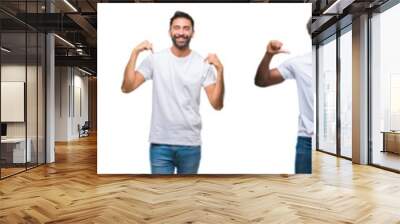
70,191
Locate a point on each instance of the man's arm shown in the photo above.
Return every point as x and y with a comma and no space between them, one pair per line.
215,92
132,78
266,76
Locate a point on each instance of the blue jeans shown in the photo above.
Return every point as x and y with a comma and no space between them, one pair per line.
303,155
164,158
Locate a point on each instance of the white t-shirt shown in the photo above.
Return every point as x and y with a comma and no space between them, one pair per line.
300,69
177,83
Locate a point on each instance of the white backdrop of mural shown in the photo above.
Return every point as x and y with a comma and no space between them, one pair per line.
256,130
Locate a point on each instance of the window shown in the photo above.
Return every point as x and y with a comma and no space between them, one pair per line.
385,89
327,96
346,92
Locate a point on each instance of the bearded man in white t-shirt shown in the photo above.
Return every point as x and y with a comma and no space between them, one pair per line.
298,68
178,74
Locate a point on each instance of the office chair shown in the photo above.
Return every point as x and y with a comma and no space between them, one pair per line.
84,130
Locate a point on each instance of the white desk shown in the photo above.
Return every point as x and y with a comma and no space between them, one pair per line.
18,150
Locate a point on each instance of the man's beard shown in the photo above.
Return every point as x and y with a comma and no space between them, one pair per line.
178,45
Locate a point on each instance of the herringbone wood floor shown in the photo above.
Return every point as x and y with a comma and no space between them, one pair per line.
70,191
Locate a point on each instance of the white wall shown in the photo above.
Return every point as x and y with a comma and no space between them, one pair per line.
68,83
82,83
62,81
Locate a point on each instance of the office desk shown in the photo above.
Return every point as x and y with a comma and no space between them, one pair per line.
13,150
391,141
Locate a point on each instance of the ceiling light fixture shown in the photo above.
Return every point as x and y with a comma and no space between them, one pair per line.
70,5
79,51
64,40
5,50
337,7
84,71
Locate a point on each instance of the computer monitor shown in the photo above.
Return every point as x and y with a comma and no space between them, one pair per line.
3,129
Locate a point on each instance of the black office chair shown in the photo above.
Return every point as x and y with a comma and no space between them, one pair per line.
84,130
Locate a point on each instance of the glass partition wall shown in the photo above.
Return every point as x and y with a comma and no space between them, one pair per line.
13,90
22,77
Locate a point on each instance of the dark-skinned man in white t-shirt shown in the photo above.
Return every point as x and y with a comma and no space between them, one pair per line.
298,68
